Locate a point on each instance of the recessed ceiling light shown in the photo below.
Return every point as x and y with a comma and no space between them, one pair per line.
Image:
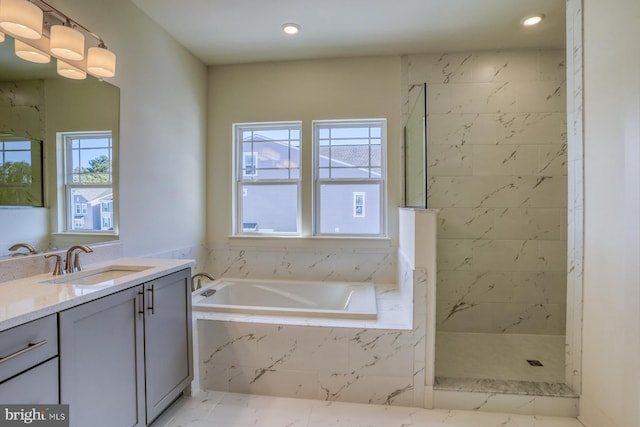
530,20
291,28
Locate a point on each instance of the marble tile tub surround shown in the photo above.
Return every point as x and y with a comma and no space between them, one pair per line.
377,265
497,169
337,362
220,409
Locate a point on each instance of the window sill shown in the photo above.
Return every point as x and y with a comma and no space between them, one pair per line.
344,242
84,233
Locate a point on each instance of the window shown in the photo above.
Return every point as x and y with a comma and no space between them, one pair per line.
349,168
88,181
267,178
20,171
81,208
358,204
249,164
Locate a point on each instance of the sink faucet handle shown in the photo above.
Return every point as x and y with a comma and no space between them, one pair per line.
73,265
57,269
77,265
26,246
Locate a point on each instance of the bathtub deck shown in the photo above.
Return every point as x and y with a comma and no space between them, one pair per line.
394,312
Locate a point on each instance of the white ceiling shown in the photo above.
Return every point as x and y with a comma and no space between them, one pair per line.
236,31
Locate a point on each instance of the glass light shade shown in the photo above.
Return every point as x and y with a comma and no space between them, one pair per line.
70,72
1,37
530,20
291,28
101,62
30,53
67,42
21,18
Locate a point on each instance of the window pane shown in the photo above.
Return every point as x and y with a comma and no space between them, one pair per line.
350,132
338,214
376,155
350,155
348,173
91,209
91,160
269,208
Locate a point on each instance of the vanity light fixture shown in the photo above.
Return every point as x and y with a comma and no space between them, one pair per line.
30,53
101,62
21,18
291,28
67,42
530,20
61,37
69,71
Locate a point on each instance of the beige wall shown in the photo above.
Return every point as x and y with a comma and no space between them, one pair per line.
611,372
302,90
162,127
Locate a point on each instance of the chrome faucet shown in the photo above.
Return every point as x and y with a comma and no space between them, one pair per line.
199,276
73,266
26,246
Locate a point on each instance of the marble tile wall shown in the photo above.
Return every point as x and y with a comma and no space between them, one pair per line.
304,263
497,170
21,108
575,208
347,363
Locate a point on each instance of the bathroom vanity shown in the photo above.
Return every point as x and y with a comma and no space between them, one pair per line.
113,341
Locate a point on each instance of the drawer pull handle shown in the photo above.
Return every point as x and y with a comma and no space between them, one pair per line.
29,347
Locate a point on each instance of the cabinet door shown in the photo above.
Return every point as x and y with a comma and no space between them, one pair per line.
101,353
168,361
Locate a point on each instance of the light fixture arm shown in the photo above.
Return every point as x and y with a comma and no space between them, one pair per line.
47,9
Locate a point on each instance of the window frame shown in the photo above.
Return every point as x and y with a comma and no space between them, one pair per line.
242,180
318,182
69,206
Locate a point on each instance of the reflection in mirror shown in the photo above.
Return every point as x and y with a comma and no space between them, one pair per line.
20,171
39,106
415,150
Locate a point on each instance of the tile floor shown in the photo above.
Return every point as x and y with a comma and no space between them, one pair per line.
221,409
500,356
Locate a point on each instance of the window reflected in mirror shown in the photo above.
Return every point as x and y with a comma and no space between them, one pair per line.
88,181
20,171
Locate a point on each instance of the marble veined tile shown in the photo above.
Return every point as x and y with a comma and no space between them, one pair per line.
237,410
500,356
461,129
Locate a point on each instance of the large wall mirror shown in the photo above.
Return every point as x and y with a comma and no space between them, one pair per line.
58,156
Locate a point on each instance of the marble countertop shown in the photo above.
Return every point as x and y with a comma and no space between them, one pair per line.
37,296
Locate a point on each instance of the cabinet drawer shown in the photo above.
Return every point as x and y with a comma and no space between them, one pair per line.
37,386
27,345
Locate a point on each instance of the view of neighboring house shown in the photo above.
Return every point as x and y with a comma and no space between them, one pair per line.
347,207
92,209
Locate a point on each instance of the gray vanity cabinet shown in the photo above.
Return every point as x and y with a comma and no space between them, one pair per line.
167,340
29,363
101,361
125,357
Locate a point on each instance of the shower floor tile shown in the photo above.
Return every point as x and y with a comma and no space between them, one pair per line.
500,357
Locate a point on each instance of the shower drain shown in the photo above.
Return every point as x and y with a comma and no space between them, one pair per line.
534,362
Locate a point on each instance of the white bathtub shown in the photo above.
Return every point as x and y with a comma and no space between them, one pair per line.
288,298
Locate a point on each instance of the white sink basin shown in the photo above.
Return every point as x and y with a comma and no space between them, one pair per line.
99,275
